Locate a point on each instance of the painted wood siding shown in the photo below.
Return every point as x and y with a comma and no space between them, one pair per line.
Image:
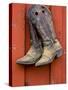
19,43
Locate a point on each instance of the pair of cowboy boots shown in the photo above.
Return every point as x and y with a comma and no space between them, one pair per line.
44,44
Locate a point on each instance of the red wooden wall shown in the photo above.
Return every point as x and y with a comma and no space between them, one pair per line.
19,43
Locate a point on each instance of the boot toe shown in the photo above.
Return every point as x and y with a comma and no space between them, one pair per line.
43,61
25,61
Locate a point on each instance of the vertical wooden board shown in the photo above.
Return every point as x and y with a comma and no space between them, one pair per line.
19,43
35,75
16,43
58,66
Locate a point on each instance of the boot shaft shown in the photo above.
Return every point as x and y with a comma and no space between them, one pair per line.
41,19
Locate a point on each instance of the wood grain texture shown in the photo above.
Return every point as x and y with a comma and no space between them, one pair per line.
16,44
19,44
58,66
35,75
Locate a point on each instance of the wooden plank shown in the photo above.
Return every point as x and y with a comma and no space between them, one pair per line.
19,43
16,43
35,75
58,66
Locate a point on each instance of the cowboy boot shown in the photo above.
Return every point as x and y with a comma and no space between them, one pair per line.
49,53
35,51
42,20
31,56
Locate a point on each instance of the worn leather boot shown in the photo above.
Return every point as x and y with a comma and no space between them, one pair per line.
31,57
35,52
49,53
41,19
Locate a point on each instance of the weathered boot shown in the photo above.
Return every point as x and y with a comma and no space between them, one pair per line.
31,57
43,24
49,53
35,52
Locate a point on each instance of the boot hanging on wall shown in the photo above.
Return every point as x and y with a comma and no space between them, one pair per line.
44,44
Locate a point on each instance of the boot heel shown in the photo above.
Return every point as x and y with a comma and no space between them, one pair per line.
59,52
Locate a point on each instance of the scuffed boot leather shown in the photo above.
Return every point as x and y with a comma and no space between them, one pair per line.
49,53
35,51
31,57
42,34
41,19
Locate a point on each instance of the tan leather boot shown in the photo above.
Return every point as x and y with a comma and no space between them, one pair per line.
49,53
31,57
